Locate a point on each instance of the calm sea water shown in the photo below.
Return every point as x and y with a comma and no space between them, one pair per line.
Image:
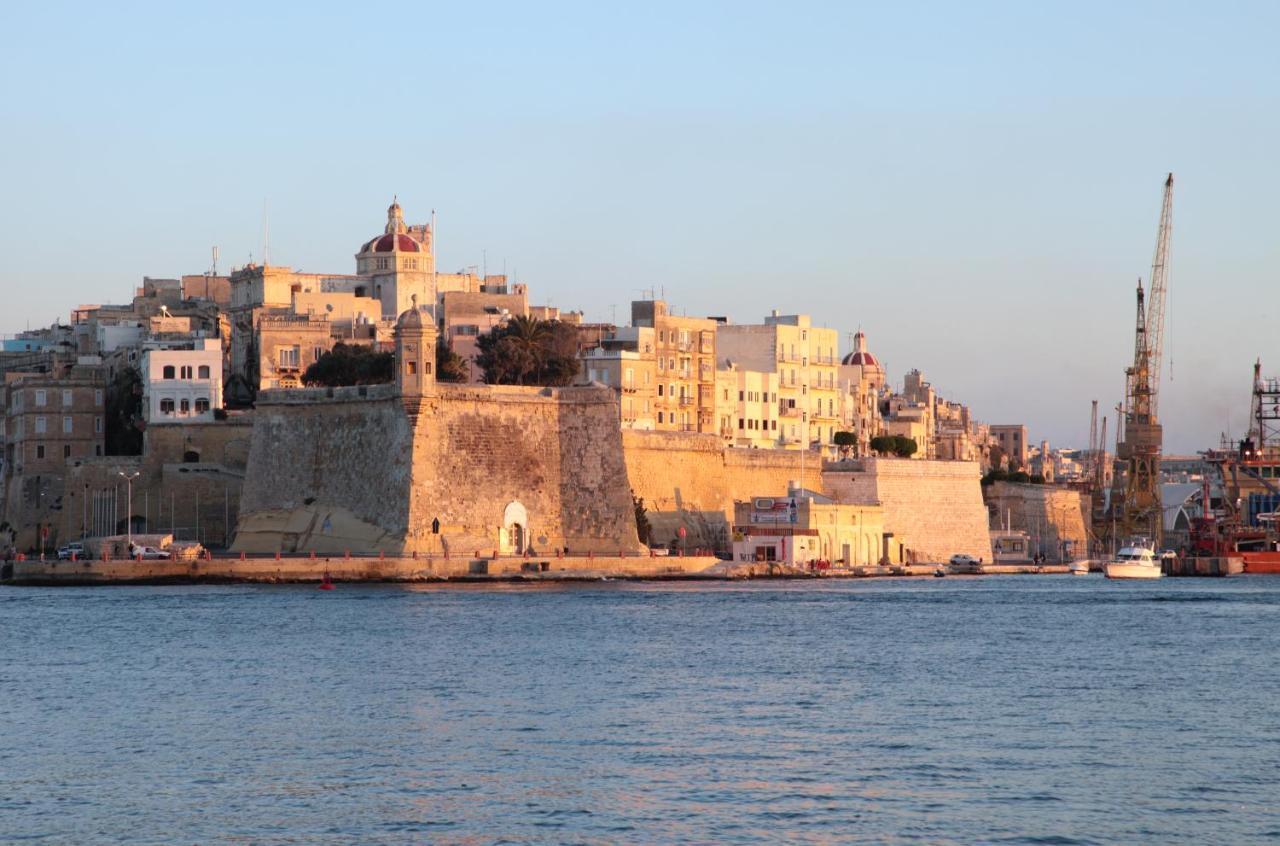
996,710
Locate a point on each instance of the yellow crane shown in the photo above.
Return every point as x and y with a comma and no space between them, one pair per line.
1135,499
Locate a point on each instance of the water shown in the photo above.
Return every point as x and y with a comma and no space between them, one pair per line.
996,710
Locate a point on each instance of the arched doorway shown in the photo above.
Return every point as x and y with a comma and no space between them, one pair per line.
515,529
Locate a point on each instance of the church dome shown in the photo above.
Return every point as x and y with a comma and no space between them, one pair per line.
391,242
865,359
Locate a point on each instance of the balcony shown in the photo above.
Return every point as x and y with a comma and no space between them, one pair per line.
687,400
786,411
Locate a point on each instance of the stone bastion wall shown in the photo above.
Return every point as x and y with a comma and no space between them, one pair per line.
934,508
692,480
462,469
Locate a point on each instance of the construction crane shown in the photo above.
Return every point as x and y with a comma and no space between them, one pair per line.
1135,501
1093,442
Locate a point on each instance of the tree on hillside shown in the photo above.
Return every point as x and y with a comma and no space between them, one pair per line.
450,367
124,413
529,351
899,445
350,364
845,440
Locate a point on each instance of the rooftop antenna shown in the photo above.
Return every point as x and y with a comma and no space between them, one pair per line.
266,234
613,313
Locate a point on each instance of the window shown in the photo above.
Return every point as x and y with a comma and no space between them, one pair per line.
382,264
66,425
66,450
186,406
166,406
186,371
97,425
97,449
412,368
740,423
773,424
41,426
168,372
659,416
741,397
202,405
97,397
203,371
41,397
287,356
66,399
39,450
316,352
659,389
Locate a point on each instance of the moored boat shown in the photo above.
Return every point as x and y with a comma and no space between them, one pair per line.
1136,560
1078,568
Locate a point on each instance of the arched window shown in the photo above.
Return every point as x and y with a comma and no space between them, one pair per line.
202,405
168,371
166,406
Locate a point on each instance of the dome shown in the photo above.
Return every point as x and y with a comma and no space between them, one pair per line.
411,318
862,358
390,243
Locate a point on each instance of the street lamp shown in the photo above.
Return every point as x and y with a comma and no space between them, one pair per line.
129,477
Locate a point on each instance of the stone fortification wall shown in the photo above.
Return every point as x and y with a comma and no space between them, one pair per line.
498,468
549,459
692,480
934,508
329,470
1050,514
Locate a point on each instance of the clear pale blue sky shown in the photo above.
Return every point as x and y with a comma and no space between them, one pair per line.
976,185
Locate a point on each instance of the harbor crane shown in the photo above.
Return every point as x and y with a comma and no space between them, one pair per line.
1135,499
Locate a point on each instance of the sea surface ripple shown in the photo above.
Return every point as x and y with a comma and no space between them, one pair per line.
1010,710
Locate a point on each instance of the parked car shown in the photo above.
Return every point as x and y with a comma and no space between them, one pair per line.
75,548
150,553
964,560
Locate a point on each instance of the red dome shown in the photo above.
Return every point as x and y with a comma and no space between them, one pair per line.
384,244
866,359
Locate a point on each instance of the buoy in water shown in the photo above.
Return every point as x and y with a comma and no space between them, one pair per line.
326,583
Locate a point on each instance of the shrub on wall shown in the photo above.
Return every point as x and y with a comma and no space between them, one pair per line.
350,364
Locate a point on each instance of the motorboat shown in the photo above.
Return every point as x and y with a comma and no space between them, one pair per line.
1078,568
1136,560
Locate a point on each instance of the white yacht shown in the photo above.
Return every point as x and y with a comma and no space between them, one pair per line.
1136,560
1078,567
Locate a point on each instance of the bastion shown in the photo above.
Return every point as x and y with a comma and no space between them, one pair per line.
427,467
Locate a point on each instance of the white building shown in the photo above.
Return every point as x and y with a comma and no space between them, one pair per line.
182,385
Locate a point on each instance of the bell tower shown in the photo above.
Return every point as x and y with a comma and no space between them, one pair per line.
415,357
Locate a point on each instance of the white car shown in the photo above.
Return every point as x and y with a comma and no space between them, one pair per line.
964,560
150,553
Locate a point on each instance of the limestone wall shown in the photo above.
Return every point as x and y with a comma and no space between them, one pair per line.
554,455
1048,513
934,508
353,469
325,460
691,480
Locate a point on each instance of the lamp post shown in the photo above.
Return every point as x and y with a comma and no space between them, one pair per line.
128,517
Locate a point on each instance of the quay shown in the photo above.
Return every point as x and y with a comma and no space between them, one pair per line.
272,569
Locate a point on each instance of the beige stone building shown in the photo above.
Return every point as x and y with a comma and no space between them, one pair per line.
1012,440
52,420
626,362
685,367
804,358
747,409
805,529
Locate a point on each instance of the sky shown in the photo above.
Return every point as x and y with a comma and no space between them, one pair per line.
976,186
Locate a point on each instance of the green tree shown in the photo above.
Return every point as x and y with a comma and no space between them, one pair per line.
845,440
883,444
529,351
643,528
450,367
904,447
124,423
350,364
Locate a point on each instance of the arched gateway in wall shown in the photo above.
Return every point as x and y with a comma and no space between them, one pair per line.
515,529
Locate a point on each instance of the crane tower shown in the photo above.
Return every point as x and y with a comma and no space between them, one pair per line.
1136,506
